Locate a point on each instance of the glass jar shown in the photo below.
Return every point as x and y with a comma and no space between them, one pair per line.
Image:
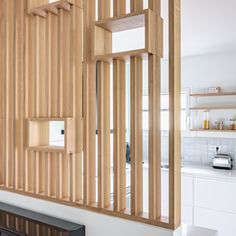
233,124
206,123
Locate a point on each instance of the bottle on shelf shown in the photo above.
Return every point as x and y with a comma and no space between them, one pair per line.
233,124
206,123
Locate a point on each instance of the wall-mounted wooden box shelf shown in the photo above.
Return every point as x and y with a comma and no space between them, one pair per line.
39,135
41,8
103,30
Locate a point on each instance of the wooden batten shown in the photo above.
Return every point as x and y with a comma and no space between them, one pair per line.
175,107
19,96
119,122
41,91
65,93
103,81
119,138
154,137
136,141
136,5
10,87
119,7
89,106
103,117
2,94
76,78
52,73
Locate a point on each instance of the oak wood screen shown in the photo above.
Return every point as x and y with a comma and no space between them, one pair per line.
55,64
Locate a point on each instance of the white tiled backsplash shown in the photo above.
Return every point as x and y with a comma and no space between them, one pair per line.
198,150
202,150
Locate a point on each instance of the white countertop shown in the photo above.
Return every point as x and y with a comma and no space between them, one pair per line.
187,230
208,171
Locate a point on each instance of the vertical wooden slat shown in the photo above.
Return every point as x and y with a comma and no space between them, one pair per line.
48,68
53,92
66,95
2,92
119,138
104,9
19,94
30,100
119,7
10,86
103,78
136,141
89,110
175,107
136,5
136,136
76,73
103,119
119,134
2,58
154,136
41,95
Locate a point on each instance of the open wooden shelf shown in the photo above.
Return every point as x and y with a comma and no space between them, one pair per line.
39,137
213,130
213,94
47,148
51,7
122,55
213,108
103,30
124,22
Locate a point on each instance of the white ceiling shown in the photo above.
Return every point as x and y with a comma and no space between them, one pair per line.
207,26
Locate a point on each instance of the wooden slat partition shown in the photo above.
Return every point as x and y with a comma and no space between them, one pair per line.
136,140
175,108
48,69
154,137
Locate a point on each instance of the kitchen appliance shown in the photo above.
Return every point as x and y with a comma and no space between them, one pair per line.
222,161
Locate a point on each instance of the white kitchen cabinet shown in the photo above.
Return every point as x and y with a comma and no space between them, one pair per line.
187,190
223,222
215,194
187,214
187,197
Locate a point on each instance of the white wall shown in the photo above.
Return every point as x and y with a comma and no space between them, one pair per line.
96,224
202,71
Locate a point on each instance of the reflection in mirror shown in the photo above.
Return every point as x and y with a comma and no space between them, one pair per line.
56,133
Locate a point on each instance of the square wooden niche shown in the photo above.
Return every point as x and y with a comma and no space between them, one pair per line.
39,135
148,19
